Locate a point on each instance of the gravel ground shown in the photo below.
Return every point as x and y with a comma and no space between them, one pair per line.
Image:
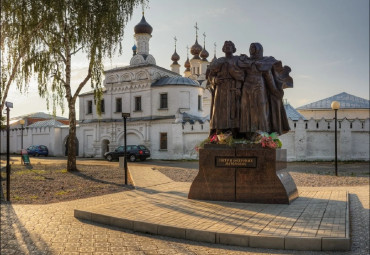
304,174
49,183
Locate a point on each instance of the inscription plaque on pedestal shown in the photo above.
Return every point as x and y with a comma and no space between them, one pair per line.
243,173
236,162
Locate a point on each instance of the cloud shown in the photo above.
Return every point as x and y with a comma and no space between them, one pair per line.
78,73
114,64
304,76
216,12
303,101
337,62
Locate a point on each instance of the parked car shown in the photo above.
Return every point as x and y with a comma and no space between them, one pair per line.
133,152
37,150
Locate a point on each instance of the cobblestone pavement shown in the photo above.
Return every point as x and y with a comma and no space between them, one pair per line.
163,203
53,229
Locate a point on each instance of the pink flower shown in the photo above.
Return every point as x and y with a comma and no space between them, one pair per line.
214,138
268,142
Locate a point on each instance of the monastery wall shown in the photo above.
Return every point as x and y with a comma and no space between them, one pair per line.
48,136
314,140
307,141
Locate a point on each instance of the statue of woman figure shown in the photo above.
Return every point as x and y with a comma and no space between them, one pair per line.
262,108
225,79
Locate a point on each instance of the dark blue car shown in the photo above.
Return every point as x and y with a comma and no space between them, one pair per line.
133,152
37,150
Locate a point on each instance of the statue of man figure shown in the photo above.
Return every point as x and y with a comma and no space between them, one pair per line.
225,79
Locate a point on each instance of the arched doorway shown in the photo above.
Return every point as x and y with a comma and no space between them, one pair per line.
132,139
66,146
104,147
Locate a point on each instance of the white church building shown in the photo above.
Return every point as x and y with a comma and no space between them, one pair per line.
168,112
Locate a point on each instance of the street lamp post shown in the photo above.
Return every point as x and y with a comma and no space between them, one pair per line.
22,123
125,116
8,106
335,105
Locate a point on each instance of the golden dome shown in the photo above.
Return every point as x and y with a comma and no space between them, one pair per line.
175,57
204,54
187,64
196,49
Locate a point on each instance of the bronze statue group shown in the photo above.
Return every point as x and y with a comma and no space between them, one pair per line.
247,93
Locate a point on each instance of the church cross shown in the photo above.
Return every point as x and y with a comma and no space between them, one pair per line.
215,48
175,42
196,29
187,50
204,40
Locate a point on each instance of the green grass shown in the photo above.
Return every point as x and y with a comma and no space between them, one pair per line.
33,171
62,192
40,178
64,171
18,198
34,197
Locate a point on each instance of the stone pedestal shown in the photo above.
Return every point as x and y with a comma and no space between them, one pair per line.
243,173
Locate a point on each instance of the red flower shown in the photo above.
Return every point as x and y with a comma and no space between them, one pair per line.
214,138
268,142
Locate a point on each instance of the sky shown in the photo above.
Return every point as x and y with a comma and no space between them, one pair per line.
325,42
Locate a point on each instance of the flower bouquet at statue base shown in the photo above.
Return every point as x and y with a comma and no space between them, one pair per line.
267,140
225,138
221,138
259,137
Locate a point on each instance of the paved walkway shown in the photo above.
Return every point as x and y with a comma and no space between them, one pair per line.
317,220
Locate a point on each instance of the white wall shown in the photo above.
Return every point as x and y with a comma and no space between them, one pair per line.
182,97
314,140
307,140
182,139
163,126
31,136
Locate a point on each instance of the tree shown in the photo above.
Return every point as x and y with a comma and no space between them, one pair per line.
93,27
20,24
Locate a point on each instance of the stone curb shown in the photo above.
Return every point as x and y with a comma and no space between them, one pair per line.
257,241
